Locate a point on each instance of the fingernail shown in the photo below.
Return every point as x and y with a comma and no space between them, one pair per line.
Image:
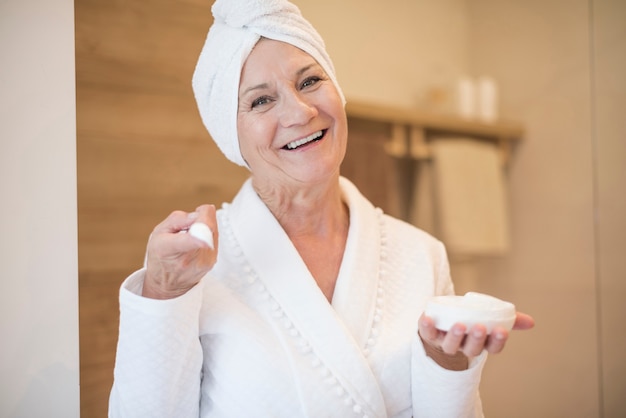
192,216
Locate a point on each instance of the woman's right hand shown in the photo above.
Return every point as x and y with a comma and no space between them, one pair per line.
176,262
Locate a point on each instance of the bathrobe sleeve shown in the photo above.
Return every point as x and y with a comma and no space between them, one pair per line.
438,392
435,391
159,357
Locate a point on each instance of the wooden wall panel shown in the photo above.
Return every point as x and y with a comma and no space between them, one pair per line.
142,152
385,180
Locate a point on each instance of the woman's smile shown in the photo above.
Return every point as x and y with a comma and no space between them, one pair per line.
299,143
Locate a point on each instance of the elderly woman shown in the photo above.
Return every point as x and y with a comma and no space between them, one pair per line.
308,303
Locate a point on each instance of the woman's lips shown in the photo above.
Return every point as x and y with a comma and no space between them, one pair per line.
316,136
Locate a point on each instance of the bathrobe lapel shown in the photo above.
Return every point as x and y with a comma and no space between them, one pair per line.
337,334
355,297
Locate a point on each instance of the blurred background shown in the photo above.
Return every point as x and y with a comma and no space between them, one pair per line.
559,68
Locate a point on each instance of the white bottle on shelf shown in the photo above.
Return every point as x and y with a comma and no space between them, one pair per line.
487,99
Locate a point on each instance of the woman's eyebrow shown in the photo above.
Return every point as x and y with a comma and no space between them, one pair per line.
306,68
265,85
256,87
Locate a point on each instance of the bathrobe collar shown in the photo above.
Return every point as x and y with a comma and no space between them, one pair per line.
340,334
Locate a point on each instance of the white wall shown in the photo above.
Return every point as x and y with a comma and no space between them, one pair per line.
39,365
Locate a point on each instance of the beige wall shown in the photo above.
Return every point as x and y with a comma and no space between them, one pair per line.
609,69
541,58
39,374
393,54
560,67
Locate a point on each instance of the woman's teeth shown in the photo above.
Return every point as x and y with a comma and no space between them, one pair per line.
299,142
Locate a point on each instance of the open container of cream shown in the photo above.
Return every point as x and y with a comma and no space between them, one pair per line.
470,309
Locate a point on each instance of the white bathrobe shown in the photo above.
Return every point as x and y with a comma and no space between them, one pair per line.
257,338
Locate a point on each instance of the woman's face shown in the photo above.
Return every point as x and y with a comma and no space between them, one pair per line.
291,121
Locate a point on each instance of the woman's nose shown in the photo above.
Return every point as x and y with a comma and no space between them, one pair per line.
296,110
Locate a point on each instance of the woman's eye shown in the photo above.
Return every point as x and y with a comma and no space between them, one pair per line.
310,81
260,101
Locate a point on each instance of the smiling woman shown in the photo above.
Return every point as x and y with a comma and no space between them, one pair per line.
291,120
310,301
142,151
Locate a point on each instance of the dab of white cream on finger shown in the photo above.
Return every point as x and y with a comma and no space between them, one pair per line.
202,232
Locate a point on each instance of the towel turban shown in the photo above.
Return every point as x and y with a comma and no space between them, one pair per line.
238,25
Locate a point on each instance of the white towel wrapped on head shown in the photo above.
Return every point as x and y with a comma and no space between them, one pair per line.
238,25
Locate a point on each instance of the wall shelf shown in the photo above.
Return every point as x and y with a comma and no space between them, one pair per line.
410,130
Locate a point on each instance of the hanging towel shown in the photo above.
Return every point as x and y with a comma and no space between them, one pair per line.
469,197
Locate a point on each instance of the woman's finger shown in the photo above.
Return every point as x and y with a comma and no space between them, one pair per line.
427,330
496,340
453,341
523,321
475,341
176,221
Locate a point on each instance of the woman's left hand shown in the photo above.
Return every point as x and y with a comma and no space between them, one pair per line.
471,343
